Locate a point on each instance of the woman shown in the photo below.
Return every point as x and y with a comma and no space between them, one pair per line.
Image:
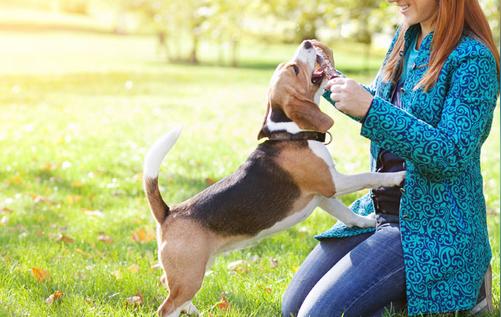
428,112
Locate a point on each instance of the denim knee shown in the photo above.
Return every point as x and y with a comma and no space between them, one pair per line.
290,304
322,307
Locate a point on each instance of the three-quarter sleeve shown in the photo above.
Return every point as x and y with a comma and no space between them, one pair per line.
442,151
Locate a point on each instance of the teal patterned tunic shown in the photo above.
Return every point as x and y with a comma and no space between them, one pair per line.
439,134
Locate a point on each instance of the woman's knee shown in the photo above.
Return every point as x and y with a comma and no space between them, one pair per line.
321,308
320,260
291,301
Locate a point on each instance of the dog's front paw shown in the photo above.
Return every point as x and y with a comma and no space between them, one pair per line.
368,221
392,179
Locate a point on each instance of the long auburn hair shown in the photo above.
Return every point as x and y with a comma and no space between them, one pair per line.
452,19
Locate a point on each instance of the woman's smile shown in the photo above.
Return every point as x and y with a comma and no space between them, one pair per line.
403,8
418,11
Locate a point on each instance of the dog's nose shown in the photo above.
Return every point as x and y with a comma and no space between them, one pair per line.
307,45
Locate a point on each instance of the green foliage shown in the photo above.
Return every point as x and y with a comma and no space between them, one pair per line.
226,22
492,10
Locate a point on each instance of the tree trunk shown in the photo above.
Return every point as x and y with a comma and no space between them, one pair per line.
220,55
234,52
194,50
367,57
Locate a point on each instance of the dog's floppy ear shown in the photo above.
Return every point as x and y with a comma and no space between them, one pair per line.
262,132
306,114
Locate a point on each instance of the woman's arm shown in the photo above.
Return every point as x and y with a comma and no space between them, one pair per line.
441,152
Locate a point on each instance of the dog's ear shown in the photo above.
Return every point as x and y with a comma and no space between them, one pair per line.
306,114
264,129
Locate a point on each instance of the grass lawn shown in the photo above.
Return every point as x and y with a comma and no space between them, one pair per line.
78,113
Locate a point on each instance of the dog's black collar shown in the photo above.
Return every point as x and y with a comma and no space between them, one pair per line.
300,136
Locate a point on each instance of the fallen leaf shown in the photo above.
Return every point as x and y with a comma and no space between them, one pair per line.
303,229
273,262
5,210
135,300
14,180
104,238
142,235
82,252
210,181
156,266
39,274
49,167
254,258
94,213
72,199
54,297
37,199
64,238
239,266
117,274
134,268
223,303
76,184
268,289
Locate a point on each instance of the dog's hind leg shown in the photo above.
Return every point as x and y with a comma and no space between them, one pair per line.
184,261
187,308
184,279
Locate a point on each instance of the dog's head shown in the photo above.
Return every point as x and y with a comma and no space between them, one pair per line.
296,88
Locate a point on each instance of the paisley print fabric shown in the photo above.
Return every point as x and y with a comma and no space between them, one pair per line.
439,133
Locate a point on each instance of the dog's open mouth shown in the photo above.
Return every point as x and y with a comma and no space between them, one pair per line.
318,71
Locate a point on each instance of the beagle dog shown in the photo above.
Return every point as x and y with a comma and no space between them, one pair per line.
279,185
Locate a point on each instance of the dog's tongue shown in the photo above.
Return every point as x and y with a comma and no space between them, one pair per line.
318,72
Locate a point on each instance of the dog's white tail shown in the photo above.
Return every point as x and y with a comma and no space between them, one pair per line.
151,169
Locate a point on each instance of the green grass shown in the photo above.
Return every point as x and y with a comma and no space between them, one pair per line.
75,125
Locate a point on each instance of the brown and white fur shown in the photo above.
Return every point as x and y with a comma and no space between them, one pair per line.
279,185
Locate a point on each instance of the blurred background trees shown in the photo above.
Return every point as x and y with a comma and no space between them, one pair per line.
181,27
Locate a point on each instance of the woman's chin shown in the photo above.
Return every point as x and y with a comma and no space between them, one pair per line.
408,20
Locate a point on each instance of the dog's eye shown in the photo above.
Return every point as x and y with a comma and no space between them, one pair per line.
296,69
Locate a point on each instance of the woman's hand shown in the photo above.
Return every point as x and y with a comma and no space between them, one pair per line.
350,97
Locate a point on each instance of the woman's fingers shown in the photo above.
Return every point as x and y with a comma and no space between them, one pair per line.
349,97
334,82
336,88
338,80
336,96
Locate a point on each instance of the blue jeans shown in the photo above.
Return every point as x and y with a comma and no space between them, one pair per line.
355,276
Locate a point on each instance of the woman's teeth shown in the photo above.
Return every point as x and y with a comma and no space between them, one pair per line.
404,8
